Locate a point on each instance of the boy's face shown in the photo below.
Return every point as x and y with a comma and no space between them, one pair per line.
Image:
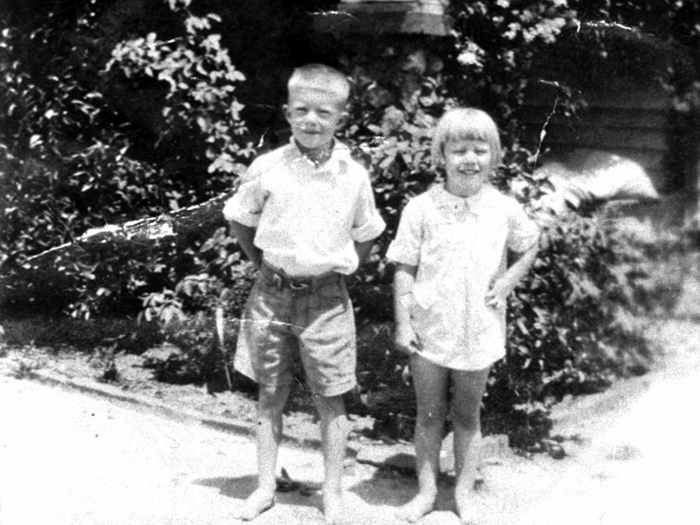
468,164
314,115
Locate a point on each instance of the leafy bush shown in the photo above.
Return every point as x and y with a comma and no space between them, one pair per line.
66,168
220,279
71,164
200,102
654,260
194,353
187,313
65,160
497,44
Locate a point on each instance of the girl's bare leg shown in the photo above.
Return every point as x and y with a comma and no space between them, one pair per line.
271,402
466,421
334,434
431,383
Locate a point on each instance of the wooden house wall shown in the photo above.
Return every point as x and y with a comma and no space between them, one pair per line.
621,117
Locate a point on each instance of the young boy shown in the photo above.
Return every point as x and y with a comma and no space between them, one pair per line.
305,216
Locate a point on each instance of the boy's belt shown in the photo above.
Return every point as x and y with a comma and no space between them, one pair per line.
298,284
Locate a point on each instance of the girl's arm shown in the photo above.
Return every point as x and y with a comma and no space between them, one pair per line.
502,287
246,235
363,250
404,336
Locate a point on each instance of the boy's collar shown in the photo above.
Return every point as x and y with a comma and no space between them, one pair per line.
334,148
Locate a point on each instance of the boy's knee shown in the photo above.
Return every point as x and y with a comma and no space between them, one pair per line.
332,407
272,398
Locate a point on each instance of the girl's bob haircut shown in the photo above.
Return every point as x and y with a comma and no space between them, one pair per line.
466,124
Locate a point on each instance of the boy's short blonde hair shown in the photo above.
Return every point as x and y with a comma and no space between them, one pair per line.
466,124
320,77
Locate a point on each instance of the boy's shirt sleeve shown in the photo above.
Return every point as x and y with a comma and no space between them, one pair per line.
523,232
246,205
405,248
367,224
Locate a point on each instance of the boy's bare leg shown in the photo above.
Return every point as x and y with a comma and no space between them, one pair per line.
334,435
430,382
466,422
271,402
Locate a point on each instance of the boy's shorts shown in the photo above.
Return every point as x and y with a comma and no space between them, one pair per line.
281,324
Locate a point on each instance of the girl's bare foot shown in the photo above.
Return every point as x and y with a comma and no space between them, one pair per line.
332,507
418,507
257,503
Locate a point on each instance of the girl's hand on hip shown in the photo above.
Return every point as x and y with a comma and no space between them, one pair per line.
497,295
406,340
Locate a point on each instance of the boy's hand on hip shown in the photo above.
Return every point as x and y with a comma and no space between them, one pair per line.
406,340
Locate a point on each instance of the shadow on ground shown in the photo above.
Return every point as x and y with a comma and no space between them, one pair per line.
300,494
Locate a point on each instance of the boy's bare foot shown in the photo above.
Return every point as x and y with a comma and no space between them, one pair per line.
465,508
257,503
418,507
332,508
468,518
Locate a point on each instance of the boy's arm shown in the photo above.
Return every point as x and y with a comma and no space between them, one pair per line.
504,285
246,235
404,336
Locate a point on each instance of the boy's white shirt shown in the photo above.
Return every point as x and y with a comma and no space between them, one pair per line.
459,246
307,217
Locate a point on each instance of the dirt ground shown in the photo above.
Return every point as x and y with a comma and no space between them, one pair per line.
137,380
629,452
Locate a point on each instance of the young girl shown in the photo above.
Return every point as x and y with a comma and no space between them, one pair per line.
451,285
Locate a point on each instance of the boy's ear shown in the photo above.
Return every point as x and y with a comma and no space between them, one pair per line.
285,111
344,116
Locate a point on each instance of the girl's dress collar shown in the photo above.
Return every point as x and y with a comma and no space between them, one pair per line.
445,199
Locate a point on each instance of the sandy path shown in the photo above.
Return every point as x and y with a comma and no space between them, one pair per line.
639,460
68,458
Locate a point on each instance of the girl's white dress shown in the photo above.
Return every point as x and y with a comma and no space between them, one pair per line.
460,246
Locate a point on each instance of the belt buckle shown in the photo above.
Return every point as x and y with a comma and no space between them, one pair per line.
297,286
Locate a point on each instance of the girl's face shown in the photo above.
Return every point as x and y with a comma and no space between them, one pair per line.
468,164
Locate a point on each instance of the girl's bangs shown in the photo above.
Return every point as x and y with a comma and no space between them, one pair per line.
462,130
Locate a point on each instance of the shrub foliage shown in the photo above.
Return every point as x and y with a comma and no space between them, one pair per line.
71,162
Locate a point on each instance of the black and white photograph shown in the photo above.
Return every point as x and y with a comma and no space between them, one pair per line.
349,262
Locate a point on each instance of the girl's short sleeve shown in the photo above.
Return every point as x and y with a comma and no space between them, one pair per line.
405,248
523,232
